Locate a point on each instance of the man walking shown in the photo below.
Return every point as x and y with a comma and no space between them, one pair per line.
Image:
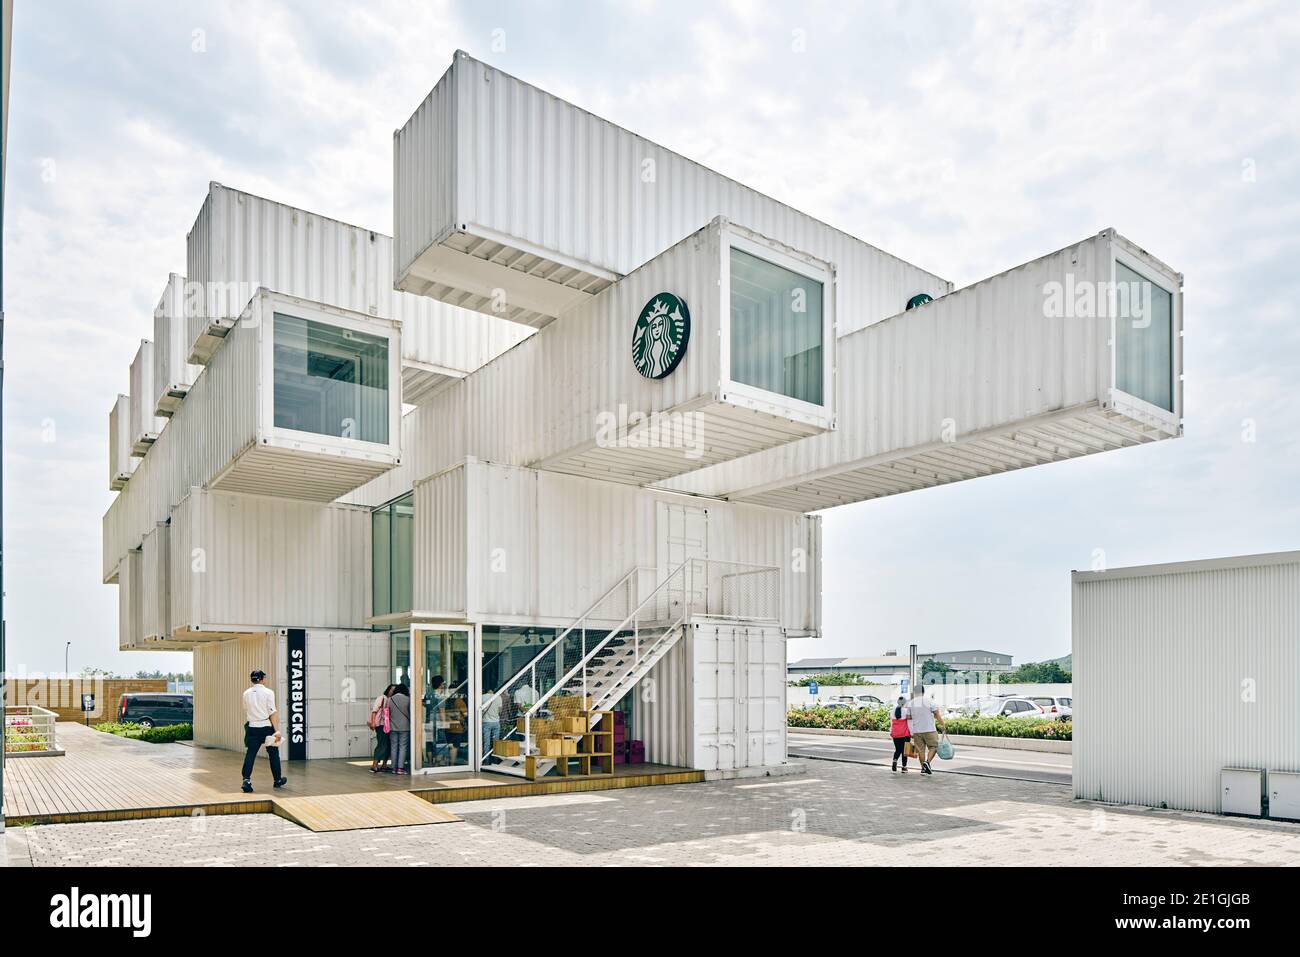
922,714
261,722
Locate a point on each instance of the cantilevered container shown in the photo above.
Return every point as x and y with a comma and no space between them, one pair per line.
121,463
172,373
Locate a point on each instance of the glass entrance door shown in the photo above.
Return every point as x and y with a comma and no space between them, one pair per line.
443,699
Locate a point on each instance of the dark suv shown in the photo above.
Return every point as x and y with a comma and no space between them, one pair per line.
149,708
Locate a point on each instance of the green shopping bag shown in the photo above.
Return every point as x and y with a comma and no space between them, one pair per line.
946,750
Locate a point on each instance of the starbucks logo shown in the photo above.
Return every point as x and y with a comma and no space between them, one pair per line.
659,340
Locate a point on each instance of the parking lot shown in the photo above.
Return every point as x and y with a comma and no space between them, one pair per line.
1044,767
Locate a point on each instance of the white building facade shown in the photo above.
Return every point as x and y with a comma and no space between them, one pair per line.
564,433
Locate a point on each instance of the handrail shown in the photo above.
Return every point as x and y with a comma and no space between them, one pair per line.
582,663
636,569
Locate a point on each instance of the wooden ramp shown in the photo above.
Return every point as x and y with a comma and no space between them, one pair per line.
352,812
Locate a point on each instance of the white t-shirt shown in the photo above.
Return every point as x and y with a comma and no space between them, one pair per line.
259,704
921,714
493,711
525,697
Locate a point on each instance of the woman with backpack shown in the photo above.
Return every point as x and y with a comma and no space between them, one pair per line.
378,722
901,732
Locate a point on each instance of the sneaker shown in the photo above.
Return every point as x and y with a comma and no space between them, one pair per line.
281,782
894,766
247,787
925,769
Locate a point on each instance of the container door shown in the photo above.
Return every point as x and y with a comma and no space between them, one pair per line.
715,699
364,681
764,697
322,716
683,533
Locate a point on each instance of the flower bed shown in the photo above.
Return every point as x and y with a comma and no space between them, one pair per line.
159,734
877,719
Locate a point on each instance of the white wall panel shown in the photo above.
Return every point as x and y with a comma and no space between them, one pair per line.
155,590
519,544
494,157
982,380
252,563
240,242
145,425
121,463
1211,650
738,695
129,601
171,347
221,670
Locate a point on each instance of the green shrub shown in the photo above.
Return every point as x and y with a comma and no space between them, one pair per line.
877,719
160,734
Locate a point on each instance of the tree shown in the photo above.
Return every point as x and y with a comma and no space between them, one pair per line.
1037,673
933,671
833,680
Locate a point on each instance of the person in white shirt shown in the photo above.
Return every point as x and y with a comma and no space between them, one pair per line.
922,713
261,722
491,720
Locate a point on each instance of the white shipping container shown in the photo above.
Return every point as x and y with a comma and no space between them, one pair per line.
172,373
226,435
129,601
241,242
986,379
1212,646
501,185
155,593
248,563
503,544
121,463
570,398
145,425
221,670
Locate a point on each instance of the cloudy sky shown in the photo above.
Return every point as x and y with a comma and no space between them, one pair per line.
965,137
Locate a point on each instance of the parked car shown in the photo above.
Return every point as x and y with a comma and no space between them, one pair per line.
1000,706
840,701
150,708
1056,707
868,701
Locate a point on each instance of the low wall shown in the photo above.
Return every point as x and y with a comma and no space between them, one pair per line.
970,740
63,695
944,695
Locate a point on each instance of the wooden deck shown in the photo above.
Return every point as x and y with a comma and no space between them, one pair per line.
106,778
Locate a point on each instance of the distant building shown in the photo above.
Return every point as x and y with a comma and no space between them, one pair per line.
892,663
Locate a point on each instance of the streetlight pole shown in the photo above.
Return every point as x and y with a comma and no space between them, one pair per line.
65,658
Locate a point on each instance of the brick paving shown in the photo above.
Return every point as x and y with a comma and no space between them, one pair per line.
835,814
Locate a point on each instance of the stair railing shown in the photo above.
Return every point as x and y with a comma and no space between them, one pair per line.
679,577
629,584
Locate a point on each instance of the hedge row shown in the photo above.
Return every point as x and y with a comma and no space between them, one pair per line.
877,719
159,734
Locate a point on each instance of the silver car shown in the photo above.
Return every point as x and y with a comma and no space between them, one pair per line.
1055,706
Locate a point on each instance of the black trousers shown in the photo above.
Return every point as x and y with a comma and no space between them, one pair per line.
899,744
253,738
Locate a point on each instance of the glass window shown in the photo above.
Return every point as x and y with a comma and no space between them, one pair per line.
1144,339
392,544
443,728
330,380
776,328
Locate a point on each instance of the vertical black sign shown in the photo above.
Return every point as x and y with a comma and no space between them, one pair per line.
297,692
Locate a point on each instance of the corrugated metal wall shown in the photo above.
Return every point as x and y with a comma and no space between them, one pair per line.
155,592
662,711
121,463
129,594
171,343
517,543
144,424
221,670
251,563
240,242
983,356
1181,670
517,161
217,420
438,551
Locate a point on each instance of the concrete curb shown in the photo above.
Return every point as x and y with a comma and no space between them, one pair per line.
971,740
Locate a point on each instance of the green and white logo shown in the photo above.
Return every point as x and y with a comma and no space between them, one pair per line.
659,339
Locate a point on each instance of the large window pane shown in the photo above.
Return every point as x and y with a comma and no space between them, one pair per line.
330,381
776,328
392,528
443,728
1144,339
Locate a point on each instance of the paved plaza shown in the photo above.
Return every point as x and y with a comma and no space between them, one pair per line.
834,814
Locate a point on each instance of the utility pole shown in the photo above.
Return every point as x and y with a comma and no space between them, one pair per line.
65,658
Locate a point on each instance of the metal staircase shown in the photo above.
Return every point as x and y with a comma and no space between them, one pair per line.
592,659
